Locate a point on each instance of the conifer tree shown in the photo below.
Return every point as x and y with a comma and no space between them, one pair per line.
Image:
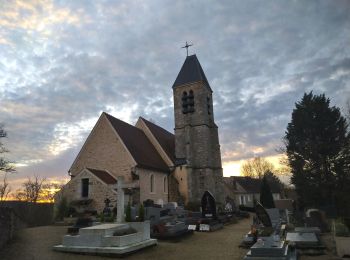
266,198
315,145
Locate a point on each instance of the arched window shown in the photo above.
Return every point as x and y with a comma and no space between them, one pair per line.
152,182
165,184
190,102
184,102
187,102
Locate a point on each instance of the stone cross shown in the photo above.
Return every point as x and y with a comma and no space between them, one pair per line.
120,200
187,46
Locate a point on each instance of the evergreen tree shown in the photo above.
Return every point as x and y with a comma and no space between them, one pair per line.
315,139
128,213
266,198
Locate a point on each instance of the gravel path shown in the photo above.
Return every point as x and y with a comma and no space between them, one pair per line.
36,243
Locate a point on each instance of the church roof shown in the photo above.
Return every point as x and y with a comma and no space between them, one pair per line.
137,143
103,176
191,71
164,138
251,185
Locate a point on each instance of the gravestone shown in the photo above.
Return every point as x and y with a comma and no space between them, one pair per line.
269,247
262,215
107,210
316,218
209,220
275,217
133,213
208,205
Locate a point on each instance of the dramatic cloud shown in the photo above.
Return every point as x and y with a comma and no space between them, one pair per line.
64,62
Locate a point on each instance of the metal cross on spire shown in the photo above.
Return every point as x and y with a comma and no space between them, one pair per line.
186,46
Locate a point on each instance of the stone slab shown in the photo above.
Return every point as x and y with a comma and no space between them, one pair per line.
102,230
269,248
110,251
302,239
315,230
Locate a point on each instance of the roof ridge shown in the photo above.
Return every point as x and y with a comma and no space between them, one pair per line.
126,123
147,121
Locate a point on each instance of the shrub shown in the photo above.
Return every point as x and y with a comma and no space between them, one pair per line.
341,230
62,209
128,213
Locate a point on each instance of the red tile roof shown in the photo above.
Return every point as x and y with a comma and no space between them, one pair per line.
164,138
137,143
103,176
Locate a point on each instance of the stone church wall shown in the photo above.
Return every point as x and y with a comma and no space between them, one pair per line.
181,176
98,192
206,179
159,192
104,151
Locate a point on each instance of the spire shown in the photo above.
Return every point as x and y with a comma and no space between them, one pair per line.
191,71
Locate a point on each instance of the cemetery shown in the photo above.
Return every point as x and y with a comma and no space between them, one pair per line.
272,234
266,234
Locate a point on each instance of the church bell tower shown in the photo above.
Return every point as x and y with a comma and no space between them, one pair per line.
196,135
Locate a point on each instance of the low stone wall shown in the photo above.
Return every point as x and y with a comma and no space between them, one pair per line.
9,223
32,214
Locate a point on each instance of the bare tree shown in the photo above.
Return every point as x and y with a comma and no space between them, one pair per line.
5,189
37,189
5,165
256,168
32,189
20,195
49,190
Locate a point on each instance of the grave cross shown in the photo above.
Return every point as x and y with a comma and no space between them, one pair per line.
120,199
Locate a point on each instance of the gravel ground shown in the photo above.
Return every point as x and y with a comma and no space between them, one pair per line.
36,243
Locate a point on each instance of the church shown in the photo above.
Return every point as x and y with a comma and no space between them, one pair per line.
154,163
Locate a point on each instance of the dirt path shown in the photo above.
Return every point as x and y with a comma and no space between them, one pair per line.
36,243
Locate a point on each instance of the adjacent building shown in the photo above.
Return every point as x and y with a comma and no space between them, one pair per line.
246,190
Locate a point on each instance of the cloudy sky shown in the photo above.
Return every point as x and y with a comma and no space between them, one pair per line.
64,62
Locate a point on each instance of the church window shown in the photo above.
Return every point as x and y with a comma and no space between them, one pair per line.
165,184
187,102
190,102
152,182
184,102
208,105
85,188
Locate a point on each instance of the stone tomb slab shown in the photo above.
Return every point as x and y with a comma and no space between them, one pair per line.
315,230
101,240
303,239
269,249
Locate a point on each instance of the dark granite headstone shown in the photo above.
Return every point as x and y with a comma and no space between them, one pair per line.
262,215
208,205
107,210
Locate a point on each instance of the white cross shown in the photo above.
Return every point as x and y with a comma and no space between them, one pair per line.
120,197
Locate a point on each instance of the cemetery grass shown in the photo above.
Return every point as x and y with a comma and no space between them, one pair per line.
36,244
